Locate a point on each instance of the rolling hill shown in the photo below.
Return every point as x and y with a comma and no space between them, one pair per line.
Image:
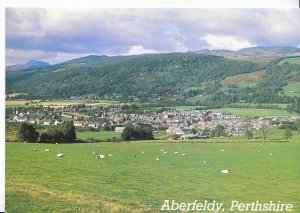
33,64
163,79
144,76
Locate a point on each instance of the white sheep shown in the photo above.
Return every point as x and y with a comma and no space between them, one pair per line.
157,158
60,155
176,153
56,143
183,154
100,156
24,142
34,149
225,171
204,161
165,153
47,150
161,150
110,155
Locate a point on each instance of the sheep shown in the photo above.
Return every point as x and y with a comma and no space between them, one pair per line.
225,171
176,153
56,143
157,158
204,161
47,150
161,150
24,142
165,153
60,155
110,155
100,156
183,154
34,149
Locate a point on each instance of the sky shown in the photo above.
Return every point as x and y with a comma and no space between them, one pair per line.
56,35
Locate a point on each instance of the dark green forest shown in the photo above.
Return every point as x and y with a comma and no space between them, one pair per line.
166,79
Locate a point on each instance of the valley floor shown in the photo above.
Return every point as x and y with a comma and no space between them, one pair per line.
132,180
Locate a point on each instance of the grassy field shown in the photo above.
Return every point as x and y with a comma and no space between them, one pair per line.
98,135
292,89
254,105
131,181
252,112
243,80
60,103
291,60
245,112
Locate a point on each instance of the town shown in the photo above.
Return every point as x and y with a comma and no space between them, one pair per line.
180,124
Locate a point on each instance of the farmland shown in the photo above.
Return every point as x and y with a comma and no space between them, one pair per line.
292,60
58,103
98,135
252,112
292,89
243,80
134,182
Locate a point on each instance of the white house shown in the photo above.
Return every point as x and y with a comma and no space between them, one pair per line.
119,129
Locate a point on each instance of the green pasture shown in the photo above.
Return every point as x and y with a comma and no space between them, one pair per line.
259,105
292,89
246,112
252,112
98,135
132,181
291,60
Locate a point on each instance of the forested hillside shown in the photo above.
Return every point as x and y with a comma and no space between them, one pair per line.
143,77
174,78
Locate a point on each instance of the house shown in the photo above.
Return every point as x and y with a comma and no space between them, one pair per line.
47,123
79,123
119,129
93,124
56,122
19,119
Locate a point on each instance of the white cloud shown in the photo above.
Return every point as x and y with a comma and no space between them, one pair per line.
19,56
75,32
139,49
226,42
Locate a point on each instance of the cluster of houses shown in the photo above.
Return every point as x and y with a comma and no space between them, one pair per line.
52,118
184,123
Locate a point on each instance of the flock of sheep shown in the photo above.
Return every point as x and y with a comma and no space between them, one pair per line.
102,156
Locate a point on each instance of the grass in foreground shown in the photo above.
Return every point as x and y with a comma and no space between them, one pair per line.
131,181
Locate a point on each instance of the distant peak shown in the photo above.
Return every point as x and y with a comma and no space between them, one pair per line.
37,63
